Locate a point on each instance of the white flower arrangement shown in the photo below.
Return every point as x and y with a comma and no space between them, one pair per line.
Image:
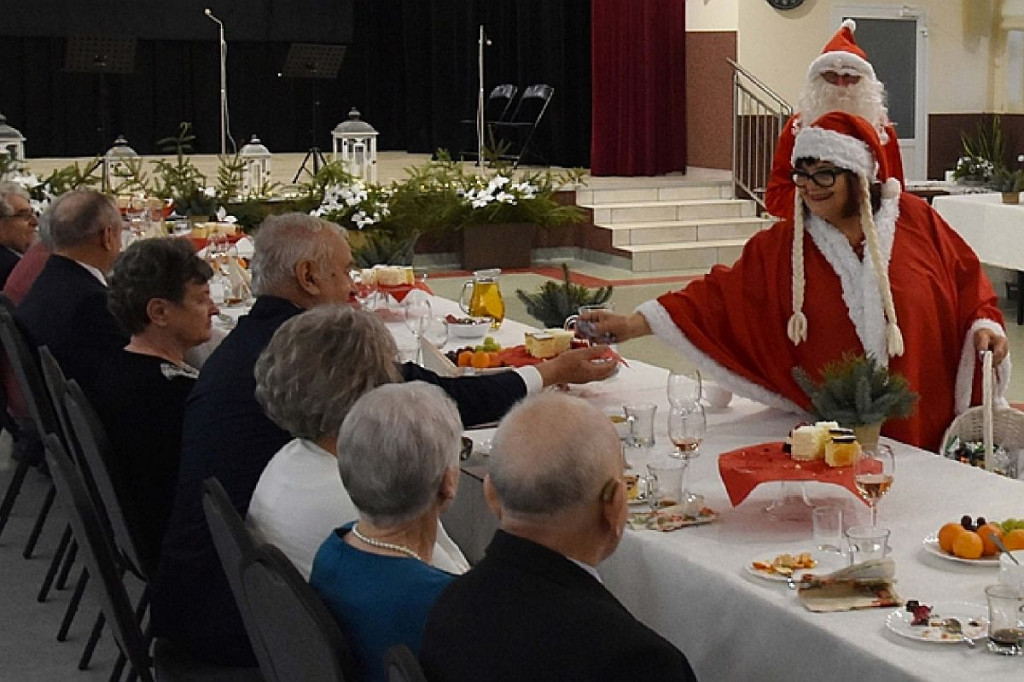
356,203
973,168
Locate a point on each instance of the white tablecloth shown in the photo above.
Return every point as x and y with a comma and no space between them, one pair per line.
993,229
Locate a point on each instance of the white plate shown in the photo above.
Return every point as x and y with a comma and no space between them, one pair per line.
899,622
827,563
931,545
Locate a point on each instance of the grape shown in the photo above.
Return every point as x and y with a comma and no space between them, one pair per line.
965,521
981,522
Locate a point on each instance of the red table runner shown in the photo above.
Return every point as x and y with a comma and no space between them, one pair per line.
744,469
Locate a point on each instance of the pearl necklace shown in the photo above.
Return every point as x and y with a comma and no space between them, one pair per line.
402,549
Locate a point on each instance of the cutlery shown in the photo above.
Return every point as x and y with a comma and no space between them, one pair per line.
953,627
998,542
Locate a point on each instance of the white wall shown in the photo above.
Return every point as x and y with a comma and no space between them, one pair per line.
712,15
778,45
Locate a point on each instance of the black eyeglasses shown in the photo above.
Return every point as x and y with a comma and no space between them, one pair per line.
826,177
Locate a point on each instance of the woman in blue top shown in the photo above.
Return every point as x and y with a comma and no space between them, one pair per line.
398,454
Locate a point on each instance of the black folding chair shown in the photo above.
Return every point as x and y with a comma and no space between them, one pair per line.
497,108
401,665
516,134
302,638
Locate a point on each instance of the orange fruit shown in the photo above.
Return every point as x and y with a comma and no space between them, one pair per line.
986,532
465,358
968,545
1014,539
492,359
947,534
481,360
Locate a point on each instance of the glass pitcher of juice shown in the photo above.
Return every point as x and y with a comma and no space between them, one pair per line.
484,297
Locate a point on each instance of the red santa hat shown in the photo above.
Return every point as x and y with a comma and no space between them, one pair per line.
842,55
849,142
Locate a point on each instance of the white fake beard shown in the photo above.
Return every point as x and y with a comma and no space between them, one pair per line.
865,99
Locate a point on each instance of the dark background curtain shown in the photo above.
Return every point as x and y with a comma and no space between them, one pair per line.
410,68
639,87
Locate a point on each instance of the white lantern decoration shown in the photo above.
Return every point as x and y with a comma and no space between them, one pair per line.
12,142
256,172
356,141
115,163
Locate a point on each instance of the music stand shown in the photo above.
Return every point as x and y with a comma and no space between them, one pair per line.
315,62
92,54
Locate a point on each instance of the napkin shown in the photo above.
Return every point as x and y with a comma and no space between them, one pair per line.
861,586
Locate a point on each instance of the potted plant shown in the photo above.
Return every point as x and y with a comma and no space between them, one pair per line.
859,394
1009,183
983,153
555,301
181,181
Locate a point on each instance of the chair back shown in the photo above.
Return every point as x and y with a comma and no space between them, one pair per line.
56,385
97,548
499,102
302,637
401,665
533,103
96,456
236,549
26,372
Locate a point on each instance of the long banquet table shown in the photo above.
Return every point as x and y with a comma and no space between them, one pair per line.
690,585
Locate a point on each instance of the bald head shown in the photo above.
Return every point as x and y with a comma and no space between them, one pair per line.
76,217
552,453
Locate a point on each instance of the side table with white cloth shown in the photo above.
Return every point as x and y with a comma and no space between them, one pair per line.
993,229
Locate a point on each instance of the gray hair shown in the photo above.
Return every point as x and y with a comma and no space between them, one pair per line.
282,241
393,450
318,364
550,453
76,216
8,189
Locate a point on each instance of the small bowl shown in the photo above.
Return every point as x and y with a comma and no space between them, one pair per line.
472,330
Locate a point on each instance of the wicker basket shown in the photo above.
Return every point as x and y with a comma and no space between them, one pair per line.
988,424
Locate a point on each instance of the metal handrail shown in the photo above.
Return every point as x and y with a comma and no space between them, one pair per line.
758,115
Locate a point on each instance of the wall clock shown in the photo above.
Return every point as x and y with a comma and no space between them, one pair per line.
785,4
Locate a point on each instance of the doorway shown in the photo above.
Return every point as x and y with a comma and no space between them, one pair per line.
895,40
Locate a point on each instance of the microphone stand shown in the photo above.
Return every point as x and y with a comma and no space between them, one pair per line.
480,99
223,84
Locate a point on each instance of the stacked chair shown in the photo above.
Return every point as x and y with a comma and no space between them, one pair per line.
515,135
497,108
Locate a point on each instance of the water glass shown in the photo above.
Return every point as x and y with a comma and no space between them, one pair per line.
665,484
436,332
684,388
827,524
1005,620
640,417
1010,573
584,328
867,543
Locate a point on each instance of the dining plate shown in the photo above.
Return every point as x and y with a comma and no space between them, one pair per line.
827,562
971,616
931,545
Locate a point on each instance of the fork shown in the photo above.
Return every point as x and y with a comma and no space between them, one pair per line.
953,627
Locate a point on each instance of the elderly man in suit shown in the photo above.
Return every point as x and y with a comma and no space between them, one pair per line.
66,308
17,226
299,262
535,608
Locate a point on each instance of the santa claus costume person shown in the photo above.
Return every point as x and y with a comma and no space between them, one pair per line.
862,268
840,79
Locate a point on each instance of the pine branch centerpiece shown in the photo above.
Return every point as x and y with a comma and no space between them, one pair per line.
555,301
858,393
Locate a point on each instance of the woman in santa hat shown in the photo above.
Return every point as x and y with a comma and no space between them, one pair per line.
861,268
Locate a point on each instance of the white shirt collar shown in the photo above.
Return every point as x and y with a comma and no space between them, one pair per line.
588,568
94,271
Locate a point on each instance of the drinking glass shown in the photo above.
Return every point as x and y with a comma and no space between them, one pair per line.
686,427
873,474
364,289
1005,620
417,316
827,524
436,332
684,388
867,543
640,417
665,484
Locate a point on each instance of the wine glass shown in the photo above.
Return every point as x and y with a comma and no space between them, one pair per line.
686,428
436,332
364,290
684,388
873,474
417,316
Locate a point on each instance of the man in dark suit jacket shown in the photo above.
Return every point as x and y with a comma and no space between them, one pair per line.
66,308
17,226
535,608
227,435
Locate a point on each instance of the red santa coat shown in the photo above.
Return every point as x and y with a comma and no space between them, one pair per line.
732,323
779,195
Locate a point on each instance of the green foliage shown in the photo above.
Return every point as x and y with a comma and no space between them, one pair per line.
1006,180
180,179
381,247
555,301
856,390
130,176
73,177
987,143
229,175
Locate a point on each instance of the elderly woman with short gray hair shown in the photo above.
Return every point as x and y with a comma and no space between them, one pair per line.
305,389
398,454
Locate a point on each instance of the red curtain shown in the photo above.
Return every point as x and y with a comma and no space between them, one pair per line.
639,88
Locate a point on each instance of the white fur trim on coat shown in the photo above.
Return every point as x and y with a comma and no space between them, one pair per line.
665,329
846,63
842,150
965,370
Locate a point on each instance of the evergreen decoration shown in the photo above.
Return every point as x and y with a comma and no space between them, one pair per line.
555,301
856,390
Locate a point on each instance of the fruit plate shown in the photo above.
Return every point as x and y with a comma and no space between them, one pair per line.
827,562
971,616
931,545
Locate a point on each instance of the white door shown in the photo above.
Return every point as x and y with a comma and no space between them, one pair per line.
895,40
